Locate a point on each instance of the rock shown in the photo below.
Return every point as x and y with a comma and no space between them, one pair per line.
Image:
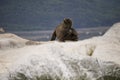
2,30
9,40
114,31
97,58
110,49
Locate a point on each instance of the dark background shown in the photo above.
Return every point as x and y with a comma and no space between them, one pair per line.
47,14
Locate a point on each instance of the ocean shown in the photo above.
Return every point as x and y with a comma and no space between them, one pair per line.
45,35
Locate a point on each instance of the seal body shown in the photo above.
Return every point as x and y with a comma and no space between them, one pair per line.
64,31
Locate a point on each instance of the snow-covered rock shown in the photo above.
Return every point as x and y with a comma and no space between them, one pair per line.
97,58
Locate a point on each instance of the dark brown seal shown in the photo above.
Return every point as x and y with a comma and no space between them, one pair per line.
64,32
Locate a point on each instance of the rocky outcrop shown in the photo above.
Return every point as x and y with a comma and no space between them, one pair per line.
97,58
2,30
9,41
110,49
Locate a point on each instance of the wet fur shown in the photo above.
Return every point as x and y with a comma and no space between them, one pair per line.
64,32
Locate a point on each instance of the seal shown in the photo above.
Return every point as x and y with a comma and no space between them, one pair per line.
64,32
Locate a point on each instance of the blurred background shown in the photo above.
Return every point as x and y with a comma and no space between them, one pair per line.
36,19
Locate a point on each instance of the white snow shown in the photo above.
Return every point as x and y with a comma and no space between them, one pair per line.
90,59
